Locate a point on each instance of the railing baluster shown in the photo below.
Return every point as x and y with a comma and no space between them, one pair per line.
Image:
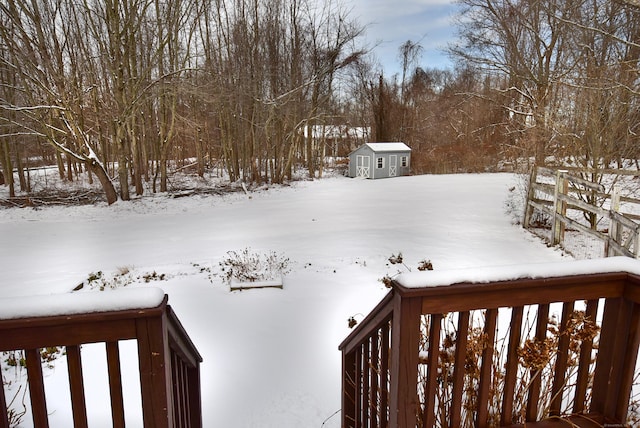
511,374
76,385
584,363
562,361
484,387
349,388
459,368
177,389
115,384
185,395
535,385
384,375
432,371
366,349
359,388
193,386
184,405
36,389
4,415
375,374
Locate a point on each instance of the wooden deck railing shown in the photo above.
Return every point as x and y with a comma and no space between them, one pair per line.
502,353
167,359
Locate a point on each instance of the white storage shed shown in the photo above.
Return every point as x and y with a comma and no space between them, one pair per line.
380,160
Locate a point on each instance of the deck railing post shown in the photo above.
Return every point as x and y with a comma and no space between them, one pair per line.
405,338
155,372
615,333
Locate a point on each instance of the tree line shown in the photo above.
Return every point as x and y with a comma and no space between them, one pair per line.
130,90
540,82
126,87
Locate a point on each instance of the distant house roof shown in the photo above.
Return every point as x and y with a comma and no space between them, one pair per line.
337,131
389,147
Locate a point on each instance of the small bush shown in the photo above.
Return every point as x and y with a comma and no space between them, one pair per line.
249,266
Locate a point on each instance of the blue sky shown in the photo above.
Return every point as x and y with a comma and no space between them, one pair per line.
390,23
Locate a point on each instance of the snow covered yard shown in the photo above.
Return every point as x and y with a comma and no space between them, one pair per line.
270,355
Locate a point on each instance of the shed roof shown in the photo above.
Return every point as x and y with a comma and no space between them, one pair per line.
389,147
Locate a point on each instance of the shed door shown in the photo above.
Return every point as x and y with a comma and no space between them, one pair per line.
393,165
363,166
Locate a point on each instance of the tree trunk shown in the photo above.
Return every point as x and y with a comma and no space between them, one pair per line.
136,162
60,164
163,171
8,169
107,185
20,170
123,178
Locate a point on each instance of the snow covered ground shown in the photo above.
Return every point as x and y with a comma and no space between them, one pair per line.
271,356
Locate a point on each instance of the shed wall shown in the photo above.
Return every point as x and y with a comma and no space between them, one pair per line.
379,164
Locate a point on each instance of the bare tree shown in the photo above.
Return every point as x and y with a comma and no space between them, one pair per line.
572,71
527,42
48,108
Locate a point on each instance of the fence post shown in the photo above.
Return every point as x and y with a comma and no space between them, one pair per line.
614,229
562,186
528,208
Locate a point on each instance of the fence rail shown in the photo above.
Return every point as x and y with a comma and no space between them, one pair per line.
564,192
504,353
169,363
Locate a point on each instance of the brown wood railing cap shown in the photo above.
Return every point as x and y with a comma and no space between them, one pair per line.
70,308
80,302
515,273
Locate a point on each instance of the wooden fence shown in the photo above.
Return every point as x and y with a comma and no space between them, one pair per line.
560,195
496,354
169,363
